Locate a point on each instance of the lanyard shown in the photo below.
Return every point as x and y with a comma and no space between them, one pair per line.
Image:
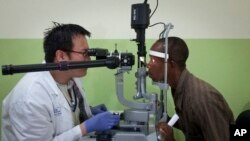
73,100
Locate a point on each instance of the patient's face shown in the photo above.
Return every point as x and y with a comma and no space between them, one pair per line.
156,64
156,69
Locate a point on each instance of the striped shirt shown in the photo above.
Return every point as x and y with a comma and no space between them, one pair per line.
204,113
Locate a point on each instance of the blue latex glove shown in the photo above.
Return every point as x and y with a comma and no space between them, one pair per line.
98,109
101,122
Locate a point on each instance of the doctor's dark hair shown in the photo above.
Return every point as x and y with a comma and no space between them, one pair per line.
177,50
60,37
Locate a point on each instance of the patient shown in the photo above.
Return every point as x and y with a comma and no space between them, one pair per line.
204,115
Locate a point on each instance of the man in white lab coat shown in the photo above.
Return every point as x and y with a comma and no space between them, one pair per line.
50,105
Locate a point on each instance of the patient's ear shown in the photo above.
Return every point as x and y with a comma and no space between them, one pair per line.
171,63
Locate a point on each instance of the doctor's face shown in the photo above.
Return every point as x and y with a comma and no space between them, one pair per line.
79,53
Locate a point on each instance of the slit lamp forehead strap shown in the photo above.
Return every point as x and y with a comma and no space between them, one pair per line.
157,54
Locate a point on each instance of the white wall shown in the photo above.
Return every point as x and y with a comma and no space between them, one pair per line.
111,18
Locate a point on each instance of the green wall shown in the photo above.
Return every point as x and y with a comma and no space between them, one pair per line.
222,62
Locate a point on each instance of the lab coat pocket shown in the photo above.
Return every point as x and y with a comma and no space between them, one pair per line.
57,108
64,122
61,113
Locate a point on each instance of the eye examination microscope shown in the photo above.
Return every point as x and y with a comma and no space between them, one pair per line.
137,117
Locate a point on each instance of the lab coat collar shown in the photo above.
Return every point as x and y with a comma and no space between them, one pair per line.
55,90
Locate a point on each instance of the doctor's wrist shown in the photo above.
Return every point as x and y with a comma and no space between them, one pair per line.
83,129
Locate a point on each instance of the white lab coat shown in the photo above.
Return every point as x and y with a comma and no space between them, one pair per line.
36,110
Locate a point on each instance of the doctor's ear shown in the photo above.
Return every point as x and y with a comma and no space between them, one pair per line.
60,55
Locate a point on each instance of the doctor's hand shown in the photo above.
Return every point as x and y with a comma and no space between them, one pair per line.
165,131
101,122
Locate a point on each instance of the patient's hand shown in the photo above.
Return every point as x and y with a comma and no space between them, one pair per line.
166,131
